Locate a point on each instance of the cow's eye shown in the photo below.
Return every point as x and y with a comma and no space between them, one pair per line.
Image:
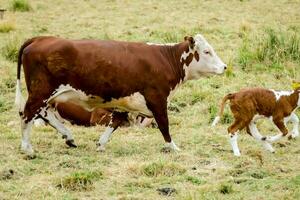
207,52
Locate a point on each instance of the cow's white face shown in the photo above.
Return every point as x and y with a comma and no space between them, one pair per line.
208,61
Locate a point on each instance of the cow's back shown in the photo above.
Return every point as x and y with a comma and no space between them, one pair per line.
109,69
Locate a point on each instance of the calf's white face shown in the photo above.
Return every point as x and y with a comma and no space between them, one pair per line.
208,62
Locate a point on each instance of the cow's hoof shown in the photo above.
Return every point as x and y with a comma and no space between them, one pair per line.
237,154
27,149
70,143
166,150
101,148
30,157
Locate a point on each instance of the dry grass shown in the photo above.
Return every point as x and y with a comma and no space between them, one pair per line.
7,26
133,166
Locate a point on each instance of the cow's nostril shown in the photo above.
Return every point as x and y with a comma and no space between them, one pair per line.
225,66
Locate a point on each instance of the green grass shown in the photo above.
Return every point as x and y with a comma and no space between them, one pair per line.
6,26
11,49
273,49
257,39
78,181
20,5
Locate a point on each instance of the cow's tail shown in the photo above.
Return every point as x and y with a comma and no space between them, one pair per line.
19,100
222,106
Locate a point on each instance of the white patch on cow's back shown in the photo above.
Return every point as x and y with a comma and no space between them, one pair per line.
279,94
161,44
134,103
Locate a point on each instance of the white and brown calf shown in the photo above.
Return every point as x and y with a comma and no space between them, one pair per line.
251,104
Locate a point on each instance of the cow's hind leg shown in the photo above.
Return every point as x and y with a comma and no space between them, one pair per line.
26,130
117,118
31,109
48,115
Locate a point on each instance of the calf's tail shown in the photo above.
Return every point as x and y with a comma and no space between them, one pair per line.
222,106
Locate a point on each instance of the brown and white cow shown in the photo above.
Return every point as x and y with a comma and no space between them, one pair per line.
249,105
123,76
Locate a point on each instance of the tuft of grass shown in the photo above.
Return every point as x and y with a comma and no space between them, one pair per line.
3,104
273,49
195,180
78,181
213,110
11,49
258,174
225,188
226,118
20,5
6,26
162,169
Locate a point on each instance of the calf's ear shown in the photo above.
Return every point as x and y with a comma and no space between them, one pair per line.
190,40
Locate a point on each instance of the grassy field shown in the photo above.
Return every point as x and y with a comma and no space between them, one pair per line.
258,39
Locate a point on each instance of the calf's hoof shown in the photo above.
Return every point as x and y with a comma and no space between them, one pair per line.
293,136
70,143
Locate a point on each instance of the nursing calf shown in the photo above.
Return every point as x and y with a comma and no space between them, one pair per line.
248,105
79,116
121,76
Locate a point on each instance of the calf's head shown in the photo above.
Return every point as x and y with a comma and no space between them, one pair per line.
201,59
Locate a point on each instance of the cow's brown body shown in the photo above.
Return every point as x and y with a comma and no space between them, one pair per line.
107,71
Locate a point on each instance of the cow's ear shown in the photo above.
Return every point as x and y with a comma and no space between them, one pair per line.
190,40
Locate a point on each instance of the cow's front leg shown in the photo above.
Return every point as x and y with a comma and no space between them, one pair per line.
117,119
158,105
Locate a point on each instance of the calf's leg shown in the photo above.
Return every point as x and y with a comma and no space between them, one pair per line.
295,120
116,120
255,133
280,125
233,132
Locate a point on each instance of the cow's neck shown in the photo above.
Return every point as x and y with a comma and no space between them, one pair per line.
179,56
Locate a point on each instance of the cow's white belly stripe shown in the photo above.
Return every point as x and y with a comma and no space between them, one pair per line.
134,103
